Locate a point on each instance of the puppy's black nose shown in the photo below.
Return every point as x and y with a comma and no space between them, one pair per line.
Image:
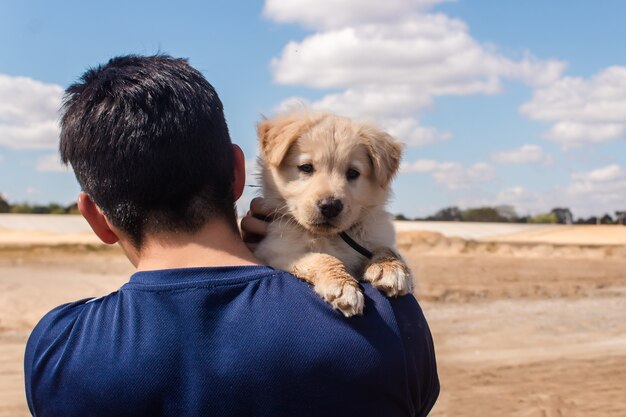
330,207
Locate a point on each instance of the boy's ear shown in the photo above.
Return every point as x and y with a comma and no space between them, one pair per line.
239,178
96,219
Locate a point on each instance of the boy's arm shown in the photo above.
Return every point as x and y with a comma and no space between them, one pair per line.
419,353
44,353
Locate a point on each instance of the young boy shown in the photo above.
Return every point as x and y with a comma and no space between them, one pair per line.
201,329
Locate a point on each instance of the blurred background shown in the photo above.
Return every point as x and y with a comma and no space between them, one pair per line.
510,202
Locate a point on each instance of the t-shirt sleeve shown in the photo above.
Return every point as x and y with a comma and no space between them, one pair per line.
44,353
422,375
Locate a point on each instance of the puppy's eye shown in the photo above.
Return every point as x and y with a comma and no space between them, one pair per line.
352,174
306,168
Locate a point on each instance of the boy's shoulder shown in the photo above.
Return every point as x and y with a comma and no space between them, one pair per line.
255,303
253,329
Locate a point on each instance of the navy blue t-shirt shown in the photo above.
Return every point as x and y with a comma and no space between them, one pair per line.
231,341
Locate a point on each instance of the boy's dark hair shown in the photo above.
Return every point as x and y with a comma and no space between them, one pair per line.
148,142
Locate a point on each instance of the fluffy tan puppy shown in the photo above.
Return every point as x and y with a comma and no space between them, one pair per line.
323,174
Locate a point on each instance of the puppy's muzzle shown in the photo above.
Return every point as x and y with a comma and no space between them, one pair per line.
330,207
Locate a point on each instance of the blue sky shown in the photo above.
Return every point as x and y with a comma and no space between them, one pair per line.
520,103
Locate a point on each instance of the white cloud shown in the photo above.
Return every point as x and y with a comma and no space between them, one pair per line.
28,113
51,163
590,193
515,194
251,190
526,154
252,171
523,200
383,102
388,60
609,179
583,111
425,53
451,175
421,165
599,190
408,131
573,133
339,13
595,192
609,173
32,190
292,104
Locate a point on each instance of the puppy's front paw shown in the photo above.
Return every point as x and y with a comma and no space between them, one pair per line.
343,294
387,272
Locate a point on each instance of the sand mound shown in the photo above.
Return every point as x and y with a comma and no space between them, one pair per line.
10,237
570,235
437,244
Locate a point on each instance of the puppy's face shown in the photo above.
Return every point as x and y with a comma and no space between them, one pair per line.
326,171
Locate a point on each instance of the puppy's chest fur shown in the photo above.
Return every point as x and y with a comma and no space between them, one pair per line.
287,242
333,266
337,247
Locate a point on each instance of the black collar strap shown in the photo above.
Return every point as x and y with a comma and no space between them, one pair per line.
355,245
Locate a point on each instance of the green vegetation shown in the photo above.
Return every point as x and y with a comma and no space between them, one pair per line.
507,214
25,208
543,218
484,214
497,214
5,207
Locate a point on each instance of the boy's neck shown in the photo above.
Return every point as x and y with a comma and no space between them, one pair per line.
216,244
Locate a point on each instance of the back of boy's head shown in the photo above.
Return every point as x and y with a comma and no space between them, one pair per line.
148,142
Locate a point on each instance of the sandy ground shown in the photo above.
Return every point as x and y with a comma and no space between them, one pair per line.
73,228
522,327
527,336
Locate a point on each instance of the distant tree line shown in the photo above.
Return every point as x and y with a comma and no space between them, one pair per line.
26,208
497,214
507,214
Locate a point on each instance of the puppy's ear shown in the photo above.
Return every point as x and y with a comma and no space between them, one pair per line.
384,152
277,135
